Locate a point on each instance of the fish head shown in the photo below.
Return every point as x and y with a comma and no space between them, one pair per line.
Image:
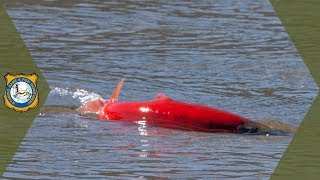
251,127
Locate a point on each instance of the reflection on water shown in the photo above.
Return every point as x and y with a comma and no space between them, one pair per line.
234,55
143,132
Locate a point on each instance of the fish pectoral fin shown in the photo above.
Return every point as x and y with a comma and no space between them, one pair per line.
162,97
116,91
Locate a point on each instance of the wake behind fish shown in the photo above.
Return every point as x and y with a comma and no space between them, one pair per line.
67,100
70,97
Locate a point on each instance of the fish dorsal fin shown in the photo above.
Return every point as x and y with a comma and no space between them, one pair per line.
162,97
116,92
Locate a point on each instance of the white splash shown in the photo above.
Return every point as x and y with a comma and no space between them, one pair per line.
67,97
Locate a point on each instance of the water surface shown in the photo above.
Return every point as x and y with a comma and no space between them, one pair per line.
234,55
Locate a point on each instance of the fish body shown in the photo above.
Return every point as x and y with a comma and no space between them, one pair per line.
169,113
166,112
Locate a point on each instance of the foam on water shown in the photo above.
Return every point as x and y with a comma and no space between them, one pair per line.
70,97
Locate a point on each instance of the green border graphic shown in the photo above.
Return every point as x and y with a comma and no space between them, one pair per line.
15,59
301,19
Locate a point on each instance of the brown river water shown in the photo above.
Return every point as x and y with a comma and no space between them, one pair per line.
234,55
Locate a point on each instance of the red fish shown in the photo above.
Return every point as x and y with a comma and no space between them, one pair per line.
169,113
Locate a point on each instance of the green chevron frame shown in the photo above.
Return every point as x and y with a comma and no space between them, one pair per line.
299,17
15,59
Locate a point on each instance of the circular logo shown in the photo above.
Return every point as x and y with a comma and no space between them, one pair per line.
21,92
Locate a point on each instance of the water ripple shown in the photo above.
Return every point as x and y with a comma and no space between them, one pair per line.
234,55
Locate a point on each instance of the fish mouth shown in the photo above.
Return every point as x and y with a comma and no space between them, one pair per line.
252,127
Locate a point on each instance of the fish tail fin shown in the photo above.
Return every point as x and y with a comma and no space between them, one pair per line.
116,91
93,106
